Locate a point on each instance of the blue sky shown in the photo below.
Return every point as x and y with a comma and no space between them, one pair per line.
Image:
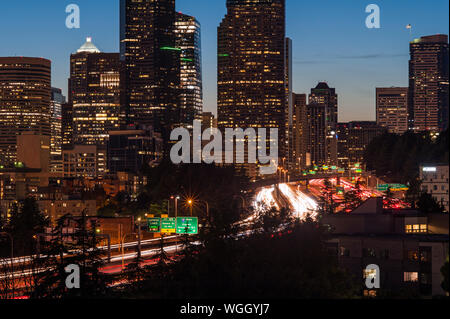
331,42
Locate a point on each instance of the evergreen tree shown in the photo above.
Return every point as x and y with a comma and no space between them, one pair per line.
71,248
26,221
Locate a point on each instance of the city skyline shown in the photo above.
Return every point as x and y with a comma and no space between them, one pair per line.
354,70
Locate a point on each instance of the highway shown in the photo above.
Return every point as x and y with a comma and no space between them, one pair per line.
303,202
300,203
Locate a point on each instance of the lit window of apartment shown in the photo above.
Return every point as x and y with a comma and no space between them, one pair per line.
412,255
416,228
410,276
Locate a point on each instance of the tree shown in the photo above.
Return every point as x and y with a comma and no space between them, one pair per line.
26,221
414,191
428,204
76,248
290,264
399,156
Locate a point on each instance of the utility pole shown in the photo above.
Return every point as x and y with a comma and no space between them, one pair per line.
139,240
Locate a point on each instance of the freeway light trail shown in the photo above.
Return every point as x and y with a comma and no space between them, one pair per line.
301,203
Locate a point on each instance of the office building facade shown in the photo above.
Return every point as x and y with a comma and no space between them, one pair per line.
252,67
188,39
392,109
56,140
25,93
322,121
94,94
428,83
151,70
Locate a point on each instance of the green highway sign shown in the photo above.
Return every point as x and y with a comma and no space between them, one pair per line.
393,187
168,225
154,224
187,225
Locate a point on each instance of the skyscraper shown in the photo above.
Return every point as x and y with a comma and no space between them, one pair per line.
289,109
353,139
67,125
25,93
94,93
392,109
56,139
151,74
188,39
300,132
322,122
428,83
252,66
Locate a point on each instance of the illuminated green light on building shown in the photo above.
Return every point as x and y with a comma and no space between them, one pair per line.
186,60
19,165
170,49
224,55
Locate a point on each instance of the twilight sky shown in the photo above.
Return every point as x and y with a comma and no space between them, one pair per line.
331,41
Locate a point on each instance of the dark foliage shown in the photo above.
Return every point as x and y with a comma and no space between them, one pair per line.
26,221
78,248
400,156
273,261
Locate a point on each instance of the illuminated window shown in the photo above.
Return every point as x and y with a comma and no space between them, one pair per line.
411,277
370,293
369,273
417,228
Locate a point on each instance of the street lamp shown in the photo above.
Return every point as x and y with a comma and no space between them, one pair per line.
190,203
123,250
176,198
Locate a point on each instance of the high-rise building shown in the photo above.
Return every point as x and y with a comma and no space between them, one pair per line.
188,39
289,109
25,92
130,150
67,124
322,122
56,140
300,132
392,109
353,139
428,83
151,76
252,67
94,93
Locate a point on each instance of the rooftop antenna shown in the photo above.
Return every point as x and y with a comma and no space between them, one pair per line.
409,26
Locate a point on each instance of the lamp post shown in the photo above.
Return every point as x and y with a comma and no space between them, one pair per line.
190,203
123,250
176,205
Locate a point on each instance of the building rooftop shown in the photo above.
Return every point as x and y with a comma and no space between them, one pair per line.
88,47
